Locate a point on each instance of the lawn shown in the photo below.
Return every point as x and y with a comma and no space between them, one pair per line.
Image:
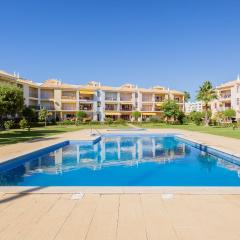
17,135
221,131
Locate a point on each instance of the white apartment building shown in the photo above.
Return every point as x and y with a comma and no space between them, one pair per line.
228,97
99,102
193,107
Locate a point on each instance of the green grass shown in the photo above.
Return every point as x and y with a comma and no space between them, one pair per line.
221,131
17,135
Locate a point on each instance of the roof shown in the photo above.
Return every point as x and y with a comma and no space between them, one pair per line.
56,84
229,84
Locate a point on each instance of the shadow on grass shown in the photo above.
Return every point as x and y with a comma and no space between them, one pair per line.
20,194
20,136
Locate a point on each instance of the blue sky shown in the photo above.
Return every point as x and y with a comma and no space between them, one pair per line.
173,43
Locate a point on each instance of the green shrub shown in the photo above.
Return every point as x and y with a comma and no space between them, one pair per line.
108,120
67,122
197,117
95,122
155,119
8,124
120,121
182,119
23,123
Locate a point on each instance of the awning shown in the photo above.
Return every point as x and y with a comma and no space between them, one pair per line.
126,102
86,92
112,113
149,114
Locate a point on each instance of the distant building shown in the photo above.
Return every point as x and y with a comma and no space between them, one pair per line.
99,102
193,106
228,97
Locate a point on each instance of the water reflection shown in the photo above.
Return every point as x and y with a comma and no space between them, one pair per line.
117,151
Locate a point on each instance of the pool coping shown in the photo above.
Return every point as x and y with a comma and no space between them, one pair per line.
122,190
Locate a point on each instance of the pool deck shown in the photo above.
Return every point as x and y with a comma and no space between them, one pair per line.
102,213
119,216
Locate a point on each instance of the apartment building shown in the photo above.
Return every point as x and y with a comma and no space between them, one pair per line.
228,97
193,107
99,102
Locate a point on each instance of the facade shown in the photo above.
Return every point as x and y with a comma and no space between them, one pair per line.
228,97
193,107
99,102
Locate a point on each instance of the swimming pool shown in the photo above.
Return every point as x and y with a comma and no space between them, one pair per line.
123,160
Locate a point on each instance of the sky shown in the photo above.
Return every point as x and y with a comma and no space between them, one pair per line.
172,43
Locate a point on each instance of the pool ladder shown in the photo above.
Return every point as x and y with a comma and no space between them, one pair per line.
98,133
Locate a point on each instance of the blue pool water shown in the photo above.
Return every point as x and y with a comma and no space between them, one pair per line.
123,161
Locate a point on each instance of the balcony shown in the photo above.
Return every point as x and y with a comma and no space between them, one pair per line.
159,98
147,98
85,107
225,97
86,98
68,95
36,107
69,106
110,107
178,100
33,92
47,95
111,96
48,107
146,109
126,97
126,107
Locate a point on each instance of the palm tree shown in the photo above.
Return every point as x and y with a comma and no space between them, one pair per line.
206,94
187,96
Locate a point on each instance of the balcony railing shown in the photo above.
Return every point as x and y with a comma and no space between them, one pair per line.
110,109
86,98
69,108
47,96
85,108
48,107
225,96
110,98
69,97
178,100
36,107
128,99
126,109
149,109
159,99
147,99
33,95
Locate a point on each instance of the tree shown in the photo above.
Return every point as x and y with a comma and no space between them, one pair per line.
23,123
229,113
219,117
170,109
187,96
81,115
196,117
29,113
11,100
136,115
43,115
206,94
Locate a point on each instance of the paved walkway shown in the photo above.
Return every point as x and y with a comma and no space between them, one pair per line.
119,216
